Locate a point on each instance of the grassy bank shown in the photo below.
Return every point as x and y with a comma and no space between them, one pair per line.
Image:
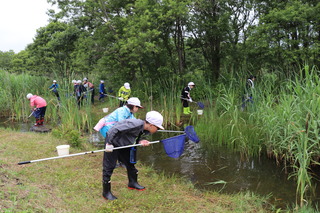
74,184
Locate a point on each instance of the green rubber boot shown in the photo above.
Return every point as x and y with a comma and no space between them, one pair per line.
185,110
189,112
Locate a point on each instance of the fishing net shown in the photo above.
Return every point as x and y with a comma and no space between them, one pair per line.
192,135
200,104
174,146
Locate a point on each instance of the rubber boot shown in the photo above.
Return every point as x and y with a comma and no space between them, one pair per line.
189,112
41,121
185,111
37,122
107,191
133,183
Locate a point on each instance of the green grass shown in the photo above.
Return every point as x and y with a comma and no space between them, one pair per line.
74,184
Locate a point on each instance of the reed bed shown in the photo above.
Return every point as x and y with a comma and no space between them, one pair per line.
282,120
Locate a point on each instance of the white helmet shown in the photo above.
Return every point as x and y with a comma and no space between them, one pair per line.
74,81
126,85
102,81
29,95
54,81
85,79
191,84
155,118
79,81
134,101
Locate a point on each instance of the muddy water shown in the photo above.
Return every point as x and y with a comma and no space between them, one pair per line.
219,170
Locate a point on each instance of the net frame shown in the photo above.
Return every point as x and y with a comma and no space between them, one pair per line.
174,146
192,135
200,104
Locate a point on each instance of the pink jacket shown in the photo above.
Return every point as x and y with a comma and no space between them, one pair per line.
37,101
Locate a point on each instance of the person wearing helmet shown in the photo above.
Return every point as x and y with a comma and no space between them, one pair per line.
125,112
39,106
102,90
54,88
123,133
90,88
186,98
79,92
124,93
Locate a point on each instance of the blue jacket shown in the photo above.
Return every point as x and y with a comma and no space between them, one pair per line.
119,114
54,87
101,88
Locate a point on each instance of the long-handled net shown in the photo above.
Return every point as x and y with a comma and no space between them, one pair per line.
189,131
200,104
173,146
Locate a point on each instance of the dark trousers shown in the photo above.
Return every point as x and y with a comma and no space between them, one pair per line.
92,95
40,112
185,103
110,160
122,103
57,94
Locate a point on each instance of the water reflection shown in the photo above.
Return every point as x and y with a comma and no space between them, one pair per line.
222,170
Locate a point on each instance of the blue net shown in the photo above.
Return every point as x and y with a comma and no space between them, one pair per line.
200,104
174,146
192,135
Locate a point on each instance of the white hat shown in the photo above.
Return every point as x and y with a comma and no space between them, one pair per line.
54,81
74,81
79,81
191,84
135,102
85,79
126,85
102,81
155,118
29,95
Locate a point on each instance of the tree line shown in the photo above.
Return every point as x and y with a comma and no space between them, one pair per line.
182,39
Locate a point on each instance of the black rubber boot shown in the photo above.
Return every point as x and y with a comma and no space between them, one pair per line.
107,191
133,183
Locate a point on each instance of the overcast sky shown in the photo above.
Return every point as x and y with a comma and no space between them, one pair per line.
19,20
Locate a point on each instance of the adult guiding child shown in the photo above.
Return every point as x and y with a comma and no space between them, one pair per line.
123,133
186,98
39,106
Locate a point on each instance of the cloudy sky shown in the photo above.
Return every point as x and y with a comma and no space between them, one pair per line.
19,20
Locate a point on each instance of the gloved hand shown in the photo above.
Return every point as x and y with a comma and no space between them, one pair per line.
108,148
190,100
121,99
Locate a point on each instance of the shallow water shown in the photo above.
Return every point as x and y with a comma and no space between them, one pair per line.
219,170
